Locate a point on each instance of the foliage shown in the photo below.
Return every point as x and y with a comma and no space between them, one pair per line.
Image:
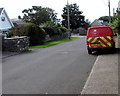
116,24
105,18
38,15
48,24
63,29
52,29
76,19
36,34
87,24
118,12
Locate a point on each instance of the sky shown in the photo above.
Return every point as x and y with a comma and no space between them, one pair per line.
92,9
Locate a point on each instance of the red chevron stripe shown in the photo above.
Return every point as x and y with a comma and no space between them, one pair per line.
104,43
108,40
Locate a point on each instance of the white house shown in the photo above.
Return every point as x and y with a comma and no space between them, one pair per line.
5,22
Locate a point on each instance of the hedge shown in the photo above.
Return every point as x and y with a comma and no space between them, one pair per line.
115,25
55,30
37,35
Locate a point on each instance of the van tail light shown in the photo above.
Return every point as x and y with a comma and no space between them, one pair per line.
87,43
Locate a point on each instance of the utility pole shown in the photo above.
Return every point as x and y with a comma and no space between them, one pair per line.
109,11
68,19
113,11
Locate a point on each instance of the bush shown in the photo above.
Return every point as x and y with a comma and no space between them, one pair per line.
115,25
52,30
55,30
37,35
63,29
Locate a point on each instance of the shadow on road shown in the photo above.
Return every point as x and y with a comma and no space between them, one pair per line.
107,52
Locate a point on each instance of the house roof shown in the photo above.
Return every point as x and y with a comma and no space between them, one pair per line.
1,10
96,22
18,22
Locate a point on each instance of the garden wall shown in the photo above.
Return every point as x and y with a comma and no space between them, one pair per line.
59,37
16,44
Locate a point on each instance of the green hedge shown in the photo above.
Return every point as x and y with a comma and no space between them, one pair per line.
55,30
37,35
115,25
52,31
63,29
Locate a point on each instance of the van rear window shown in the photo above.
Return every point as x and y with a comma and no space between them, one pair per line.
100,31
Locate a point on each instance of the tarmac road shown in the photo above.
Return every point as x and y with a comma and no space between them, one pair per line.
60,69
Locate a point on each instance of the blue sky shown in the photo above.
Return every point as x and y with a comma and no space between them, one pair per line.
92,9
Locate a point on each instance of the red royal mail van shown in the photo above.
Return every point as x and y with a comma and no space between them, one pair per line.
99,37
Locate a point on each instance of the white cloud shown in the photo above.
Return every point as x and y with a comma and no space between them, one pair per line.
92,9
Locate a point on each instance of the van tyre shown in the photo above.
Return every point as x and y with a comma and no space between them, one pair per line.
113,48
89,51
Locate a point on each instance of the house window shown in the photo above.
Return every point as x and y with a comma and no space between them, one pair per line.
2,18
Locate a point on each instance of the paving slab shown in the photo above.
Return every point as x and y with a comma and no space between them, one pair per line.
104,76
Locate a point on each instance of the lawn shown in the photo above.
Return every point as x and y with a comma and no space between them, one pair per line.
51,43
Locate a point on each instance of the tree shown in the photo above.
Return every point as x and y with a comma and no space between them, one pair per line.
115,24
105,18
39,15
76,19
87,24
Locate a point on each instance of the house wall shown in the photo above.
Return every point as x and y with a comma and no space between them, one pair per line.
5,22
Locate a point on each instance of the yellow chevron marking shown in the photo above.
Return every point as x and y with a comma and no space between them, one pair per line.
89,46
103,45
109,44
95,39
89,38
105,41
109,37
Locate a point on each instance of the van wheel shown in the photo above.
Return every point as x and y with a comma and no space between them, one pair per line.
113,48
89,51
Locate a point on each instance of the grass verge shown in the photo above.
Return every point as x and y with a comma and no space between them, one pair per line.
51,43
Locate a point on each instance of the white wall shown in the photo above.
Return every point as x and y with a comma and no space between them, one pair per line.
6,24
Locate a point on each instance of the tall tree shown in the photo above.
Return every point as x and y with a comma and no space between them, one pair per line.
39,15
76,17
105,18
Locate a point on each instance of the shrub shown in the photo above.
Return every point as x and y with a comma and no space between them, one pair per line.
52,30
115,25
63,29
36,34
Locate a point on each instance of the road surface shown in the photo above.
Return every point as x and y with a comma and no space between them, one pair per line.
60,69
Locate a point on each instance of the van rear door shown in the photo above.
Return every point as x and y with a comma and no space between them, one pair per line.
99,37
